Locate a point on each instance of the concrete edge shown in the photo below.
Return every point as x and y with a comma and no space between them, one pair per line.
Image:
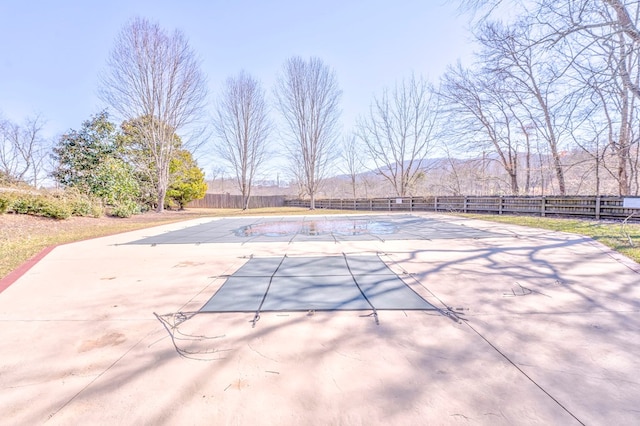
618,257
14,275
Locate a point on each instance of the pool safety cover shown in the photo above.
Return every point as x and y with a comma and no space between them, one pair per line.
317,228
325,283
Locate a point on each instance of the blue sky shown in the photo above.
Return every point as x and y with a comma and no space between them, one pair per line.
52,51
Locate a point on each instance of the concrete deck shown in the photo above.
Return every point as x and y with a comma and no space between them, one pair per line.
535,327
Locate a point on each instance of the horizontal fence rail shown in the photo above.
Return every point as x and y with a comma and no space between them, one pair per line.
577,206
227,201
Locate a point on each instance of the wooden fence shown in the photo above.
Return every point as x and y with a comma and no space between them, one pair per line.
578,206
227,201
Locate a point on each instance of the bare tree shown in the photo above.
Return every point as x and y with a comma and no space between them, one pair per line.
535,74
352,161
154,76
397,132
217,171
308,97
22,150
481,118
609,119
597,40
242,126
613,22
601,19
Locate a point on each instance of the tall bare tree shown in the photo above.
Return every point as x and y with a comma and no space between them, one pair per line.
599,39
608,65
351,161
613,23
154,75
22,150
308,97
480,118
536,75
610,111
398,132
242,126
604,19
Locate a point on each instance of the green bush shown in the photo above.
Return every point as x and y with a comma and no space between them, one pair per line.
187,180
83,204
54,208
5,202
23,203
86,207
126,208
54,204
37,204
114,181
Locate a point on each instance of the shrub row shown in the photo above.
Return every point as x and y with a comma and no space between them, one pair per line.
55,204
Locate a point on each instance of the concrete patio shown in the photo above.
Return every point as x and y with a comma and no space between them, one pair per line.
530,327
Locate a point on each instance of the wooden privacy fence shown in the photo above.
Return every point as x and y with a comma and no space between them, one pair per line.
578,206
227,201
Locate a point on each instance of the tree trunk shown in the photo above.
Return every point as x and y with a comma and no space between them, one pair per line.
623,146
312,203
553,142
353,186
245,195
515,189
245,201
527,181
162,192
597,171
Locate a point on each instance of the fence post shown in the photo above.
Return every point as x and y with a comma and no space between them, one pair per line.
598,207
500,205
543,206
389,203
370,204
435,203
464,208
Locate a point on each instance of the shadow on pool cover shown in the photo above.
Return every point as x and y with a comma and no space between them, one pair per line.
328,283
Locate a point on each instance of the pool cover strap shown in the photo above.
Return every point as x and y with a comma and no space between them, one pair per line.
375,313
256,317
